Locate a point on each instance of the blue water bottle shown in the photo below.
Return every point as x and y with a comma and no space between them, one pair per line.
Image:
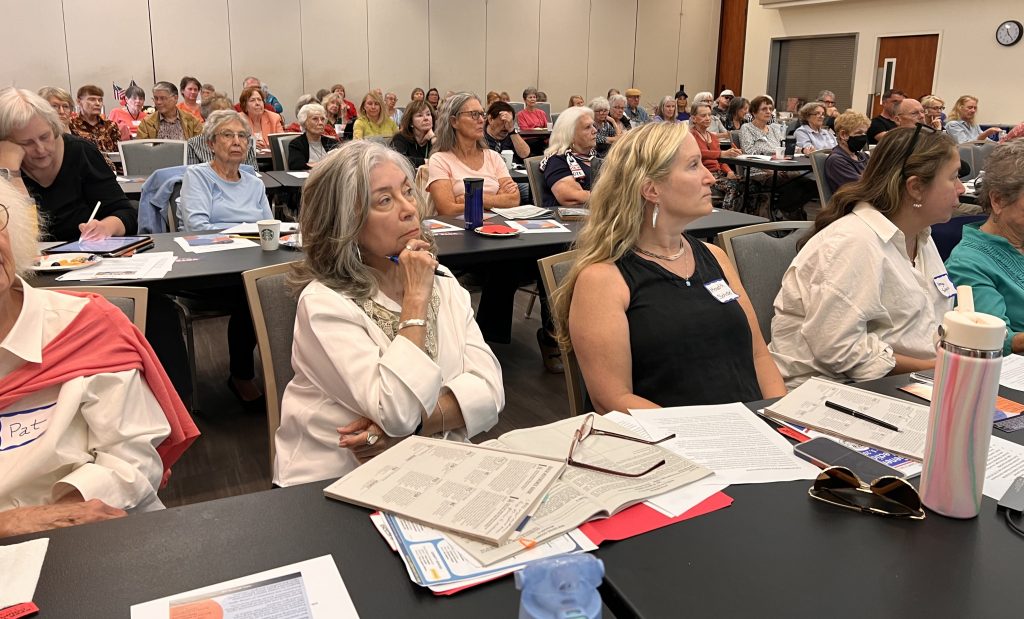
474,214
563,587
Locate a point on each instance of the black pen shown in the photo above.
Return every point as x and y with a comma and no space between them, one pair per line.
860,415
437,272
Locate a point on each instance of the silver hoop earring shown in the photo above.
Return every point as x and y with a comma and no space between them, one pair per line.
654,218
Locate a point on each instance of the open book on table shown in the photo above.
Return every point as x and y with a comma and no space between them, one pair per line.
581,494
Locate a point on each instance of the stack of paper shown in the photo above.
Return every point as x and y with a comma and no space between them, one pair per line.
526,211
206,243
149,265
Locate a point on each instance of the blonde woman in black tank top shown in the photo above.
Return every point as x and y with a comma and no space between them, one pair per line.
656,317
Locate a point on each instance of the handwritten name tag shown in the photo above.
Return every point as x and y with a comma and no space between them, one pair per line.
721,291
19,428
945,286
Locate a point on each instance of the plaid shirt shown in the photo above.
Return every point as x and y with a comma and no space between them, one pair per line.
104,134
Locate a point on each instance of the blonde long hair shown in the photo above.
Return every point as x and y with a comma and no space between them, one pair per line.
617,206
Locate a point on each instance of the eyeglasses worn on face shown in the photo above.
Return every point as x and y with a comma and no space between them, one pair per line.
5,217
885,496
231,135
587,430
475,115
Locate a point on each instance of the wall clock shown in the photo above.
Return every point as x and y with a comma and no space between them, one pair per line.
1009,33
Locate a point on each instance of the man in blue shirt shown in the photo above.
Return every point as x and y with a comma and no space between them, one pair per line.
636,114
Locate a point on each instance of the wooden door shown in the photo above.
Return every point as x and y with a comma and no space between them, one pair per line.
905,63
732,36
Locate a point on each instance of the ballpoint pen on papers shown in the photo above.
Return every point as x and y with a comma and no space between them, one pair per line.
860,415
437,272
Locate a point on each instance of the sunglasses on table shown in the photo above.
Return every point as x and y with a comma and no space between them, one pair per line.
587,430
886,496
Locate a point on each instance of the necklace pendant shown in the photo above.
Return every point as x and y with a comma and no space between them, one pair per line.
687,283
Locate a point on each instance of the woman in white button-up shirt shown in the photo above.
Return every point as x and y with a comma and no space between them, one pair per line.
865,295
383,346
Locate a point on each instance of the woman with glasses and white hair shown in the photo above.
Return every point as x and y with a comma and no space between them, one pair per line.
91,421
64,174
864,295
307,150
566,164
460,152
617,112
658,318
385,342
934,112
812,134
607,129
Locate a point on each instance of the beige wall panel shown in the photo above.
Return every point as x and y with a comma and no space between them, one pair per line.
37,44
969,60
334,48
458,46
207,56
513,31
564,41
612,32
399,50
698,44
657,49
97,42
265,37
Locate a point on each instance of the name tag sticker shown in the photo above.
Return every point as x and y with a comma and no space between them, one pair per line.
721,291
19,428
945,286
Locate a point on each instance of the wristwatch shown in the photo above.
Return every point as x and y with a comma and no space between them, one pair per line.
515,130
7,173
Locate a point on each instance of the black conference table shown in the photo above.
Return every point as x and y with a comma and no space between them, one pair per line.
799,163
774,552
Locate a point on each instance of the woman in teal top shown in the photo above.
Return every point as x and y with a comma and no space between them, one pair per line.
990,257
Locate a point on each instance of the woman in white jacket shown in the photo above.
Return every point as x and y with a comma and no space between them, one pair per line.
384,347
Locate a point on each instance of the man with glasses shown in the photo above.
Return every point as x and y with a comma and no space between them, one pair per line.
828,99
909,112
636,114
721,109
168,123
886,121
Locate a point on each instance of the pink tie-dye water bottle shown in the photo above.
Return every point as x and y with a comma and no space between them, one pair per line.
969,357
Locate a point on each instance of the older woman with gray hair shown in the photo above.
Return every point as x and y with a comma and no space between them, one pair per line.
307,150
607,129
385,344
198,149
667,110
566,164
617,112
531,117
66,175
990,257
812,134
716,126
101,424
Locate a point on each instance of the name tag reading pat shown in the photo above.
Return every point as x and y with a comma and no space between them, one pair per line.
721,291
945,286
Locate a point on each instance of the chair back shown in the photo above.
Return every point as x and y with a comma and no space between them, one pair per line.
143,157
967,154
554,118
279,149
173,219
518,106
734,136
761,260
818,158
422,174
544,105
947,235
132,300
273,316
981,153
536,179
553,270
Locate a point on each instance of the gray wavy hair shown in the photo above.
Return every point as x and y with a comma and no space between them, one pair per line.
564,131
306,110
22,227
703,96
1003,176
599,104
445,130
19,106
220,118
617,98
335,206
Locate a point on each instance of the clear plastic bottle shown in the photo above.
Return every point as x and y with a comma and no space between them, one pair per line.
563,587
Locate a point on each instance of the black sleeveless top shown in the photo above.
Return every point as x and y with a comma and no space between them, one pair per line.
687,347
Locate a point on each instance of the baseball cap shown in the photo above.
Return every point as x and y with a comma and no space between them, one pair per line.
726,93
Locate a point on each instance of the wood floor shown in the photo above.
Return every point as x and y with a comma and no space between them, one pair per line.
231,457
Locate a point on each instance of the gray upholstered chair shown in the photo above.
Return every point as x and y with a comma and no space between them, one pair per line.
967,154
553,270
536,178
518,106
279,149
818,158
981,153
273,315
131,300
544,105
143,157
761,259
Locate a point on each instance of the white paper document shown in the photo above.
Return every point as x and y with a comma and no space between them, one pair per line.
1005,463
536,226
206,243
437,226
310,589
1012,374
299,174
149,265
525,211
253,229
20,565
730,440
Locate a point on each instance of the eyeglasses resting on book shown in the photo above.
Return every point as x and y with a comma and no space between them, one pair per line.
885,496
587,430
